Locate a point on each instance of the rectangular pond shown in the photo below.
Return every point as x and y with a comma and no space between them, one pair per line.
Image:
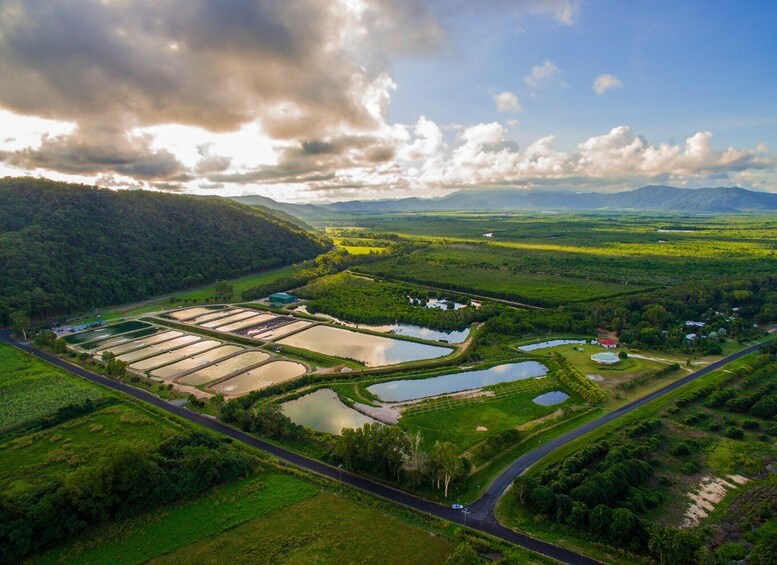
105,331
189,313
236,317
552,343
278,330
412,389
195,361
157,348
100,344
129,345
224,368
172,356
213,316
247,323
322,410
260,377
373,351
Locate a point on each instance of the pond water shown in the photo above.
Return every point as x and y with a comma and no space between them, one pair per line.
213,316
224,368
550,398
239,315
551,343
130,345
172,356
278,331
189,313
371,350
260,377
108,342
105,331
195,361
246,323
443,304
409,330
411,389
157,348
322,410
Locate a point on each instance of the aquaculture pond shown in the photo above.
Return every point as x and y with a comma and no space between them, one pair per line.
411,389
105,331
322,410
195,361
260,377
170,357
191,312
157,348
551,343
371,350
225,368
550,398
110,341
130,345
409,330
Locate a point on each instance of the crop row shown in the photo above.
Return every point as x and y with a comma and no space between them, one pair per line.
574,379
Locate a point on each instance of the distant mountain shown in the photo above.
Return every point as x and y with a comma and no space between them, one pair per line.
647,198
67,247
301,211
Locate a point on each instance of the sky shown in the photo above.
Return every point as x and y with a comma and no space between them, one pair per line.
304,100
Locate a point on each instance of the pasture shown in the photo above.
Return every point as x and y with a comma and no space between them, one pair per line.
31,389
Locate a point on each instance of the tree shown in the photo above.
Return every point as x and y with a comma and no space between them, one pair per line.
446,462
225,289
45,338
522,488
464,554
20,324
59,346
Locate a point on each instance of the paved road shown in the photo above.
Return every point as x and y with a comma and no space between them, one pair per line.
481,516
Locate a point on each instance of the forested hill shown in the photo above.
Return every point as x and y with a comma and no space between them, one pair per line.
66,247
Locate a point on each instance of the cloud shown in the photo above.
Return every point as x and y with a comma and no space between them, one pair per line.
606,82
487,158
96,150
542,74
507,102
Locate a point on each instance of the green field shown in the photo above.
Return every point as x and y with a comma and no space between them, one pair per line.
720,426
324,529
33,461
168,529
31,389
458,420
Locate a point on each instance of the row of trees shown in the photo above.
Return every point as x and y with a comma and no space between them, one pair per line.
574,379
390,452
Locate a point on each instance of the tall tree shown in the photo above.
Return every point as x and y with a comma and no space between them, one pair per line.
20,324
447,463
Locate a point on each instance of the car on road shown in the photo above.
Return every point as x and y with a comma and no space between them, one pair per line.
457,506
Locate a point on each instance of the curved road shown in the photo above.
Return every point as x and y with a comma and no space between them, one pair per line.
481,516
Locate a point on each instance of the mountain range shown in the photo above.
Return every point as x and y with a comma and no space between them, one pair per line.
653,198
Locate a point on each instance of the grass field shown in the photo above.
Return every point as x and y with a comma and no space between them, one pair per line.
166,530
458,420
30,462
323,529
31,389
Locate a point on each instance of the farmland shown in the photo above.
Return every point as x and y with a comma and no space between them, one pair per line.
695,468
31,389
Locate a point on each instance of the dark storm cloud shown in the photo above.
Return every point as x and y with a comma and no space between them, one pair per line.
95,150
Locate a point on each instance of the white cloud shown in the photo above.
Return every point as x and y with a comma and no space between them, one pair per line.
606,82
507,102
542,74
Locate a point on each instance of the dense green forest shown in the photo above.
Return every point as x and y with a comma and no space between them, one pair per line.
66,247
